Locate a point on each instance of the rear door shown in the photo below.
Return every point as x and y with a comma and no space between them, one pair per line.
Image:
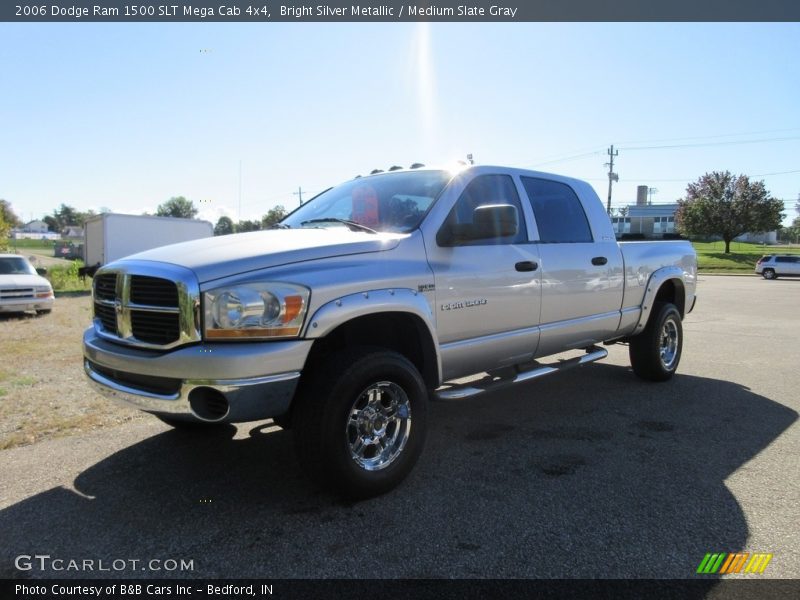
581,277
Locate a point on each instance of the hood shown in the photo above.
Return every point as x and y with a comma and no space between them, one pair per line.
22,281
221,256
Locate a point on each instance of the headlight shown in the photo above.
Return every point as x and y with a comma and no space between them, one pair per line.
255,310
43,291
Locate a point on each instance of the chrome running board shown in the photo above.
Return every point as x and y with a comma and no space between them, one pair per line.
491,384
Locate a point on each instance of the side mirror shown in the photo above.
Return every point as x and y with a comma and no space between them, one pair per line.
41,271
495,220
489,221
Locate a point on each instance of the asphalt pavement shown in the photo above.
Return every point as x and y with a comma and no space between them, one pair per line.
589,473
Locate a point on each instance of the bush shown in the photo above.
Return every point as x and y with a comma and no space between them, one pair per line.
65,278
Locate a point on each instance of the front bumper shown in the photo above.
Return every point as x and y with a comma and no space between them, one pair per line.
241,381
26,305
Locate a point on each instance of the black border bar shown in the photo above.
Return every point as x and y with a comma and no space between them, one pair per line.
396,11
406,589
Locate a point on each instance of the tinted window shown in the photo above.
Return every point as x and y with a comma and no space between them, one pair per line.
481,191
783,259
558,211
12,265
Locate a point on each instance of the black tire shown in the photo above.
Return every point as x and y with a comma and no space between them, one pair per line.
45,311
769,274
365,394
656,352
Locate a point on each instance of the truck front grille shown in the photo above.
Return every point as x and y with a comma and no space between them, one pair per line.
107,317
135,307
155,328
105,287
16,294
153,291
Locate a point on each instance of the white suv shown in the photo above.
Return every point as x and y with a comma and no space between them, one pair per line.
22,289
772,265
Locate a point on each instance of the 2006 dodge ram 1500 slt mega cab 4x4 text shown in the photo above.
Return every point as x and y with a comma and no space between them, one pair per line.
343,320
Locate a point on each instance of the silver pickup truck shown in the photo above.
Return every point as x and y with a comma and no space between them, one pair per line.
375,296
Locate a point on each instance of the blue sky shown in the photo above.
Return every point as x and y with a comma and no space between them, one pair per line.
125,116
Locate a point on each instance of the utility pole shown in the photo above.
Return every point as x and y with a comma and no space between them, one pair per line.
299,194
611,175
650,192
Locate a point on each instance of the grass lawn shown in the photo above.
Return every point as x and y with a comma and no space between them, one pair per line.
711,257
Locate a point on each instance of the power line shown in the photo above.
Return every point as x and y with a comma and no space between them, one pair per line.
565,159
711,137
732,143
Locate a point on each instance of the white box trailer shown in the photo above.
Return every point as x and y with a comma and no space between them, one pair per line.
109,237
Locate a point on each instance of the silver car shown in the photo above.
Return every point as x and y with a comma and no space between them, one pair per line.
772,266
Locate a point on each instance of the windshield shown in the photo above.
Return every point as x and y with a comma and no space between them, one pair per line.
393,202
15,265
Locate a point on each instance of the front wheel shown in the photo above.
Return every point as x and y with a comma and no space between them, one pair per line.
361,421
656,352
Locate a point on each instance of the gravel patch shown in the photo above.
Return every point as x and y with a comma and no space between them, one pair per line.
43,391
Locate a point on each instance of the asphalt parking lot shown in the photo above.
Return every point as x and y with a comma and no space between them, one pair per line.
590,473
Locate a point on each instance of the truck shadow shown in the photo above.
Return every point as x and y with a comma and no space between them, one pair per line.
591,474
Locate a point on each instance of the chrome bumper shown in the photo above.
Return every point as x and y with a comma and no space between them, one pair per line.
195,371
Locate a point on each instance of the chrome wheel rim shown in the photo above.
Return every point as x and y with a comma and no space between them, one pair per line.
378,425
669,344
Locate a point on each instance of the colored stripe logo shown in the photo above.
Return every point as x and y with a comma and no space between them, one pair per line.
727,563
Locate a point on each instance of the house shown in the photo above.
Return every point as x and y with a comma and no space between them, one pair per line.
35,227
652,220
35,230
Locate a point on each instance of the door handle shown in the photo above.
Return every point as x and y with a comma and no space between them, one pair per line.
526,265
599,260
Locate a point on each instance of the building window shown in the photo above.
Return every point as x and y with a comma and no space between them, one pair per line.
621,224
664,225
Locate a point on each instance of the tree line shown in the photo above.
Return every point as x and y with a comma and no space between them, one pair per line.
178,206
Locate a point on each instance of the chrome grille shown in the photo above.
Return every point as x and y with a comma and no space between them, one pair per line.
147,307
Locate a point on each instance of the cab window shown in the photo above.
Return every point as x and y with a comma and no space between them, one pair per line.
484,190
558,211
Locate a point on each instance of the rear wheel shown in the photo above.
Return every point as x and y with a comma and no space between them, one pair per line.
360,422
656,352
769,274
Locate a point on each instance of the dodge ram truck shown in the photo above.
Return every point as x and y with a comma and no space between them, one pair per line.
342,321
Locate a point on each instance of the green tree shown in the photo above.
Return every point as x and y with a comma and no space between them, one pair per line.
274,216
224,226
792,232
8,215
52,223
243,226
177,206
5,228
727,205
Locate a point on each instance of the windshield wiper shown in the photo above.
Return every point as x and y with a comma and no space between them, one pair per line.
351,224
280,226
